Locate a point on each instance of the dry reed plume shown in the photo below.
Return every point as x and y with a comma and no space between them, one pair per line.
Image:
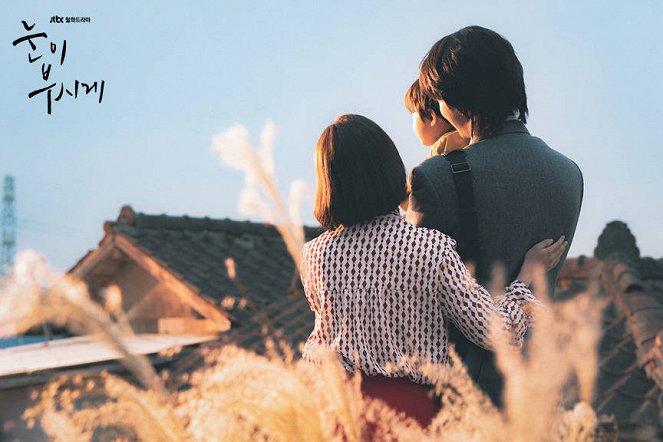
36,294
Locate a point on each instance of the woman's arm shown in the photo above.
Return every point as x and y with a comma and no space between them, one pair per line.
470,307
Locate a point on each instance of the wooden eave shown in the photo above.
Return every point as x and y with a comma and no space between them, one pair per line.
186,292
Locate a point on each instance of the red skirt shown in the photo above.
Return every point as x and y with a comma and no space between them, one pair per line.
401,394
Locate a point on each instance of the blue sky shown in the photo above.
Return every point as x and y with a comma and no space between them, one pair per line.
177,73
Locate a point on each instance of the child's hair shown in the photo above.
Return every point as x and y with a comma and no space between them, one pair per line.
417,101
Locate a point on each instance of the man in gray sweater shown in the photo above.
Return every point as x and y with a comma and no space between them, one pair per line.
507,190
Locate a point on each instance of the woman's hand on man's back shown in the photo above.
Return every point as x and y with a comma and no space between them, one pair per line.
542,257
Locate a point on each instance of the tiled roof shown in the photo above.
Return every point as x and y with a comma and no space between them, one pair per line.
287,321
630,378
195,250
624,389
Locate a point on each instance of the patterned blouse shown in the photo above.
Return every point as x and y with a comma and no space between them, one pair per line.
383,291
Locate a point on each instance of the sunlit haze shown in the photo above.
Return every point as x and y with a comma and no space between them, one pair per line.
177,74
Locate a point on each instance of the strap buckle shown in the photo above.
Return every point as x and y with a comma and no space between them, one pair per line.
461,167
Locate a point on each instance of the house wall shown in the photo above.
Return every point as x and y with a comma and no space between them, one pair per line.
145,299
159,302
134,283
155,305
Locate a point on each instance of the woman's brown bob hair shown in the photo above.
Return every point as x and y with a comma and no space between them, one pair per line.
359,172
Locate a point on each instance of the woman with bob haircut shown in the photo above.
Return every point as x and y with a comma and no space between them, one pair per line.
382,289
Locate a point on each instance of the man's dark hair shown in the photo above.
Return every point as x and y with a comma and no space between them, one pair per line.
476,71
360,173
416,101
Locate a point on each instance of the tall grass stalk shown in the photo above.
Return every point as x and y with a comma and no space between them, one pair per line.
36,294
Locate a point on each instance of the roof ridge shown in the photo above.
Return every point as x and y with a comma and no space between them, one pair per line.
142,221
644,313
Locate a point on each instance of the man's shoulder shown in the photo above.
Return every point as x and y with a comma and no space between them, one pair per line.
435,165
518,147
498,158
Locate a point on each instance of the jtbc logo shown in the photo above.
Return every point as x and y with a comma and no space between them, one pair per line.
57,19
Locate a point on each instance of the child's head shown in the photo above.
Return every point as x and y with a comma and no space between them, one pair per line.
427,121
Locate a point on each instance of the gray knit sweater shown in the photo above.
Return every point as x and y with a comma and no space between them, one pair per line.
524,192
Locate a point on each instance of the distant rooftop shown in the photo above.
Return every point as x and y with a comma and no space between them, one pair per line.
630,378
195,250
